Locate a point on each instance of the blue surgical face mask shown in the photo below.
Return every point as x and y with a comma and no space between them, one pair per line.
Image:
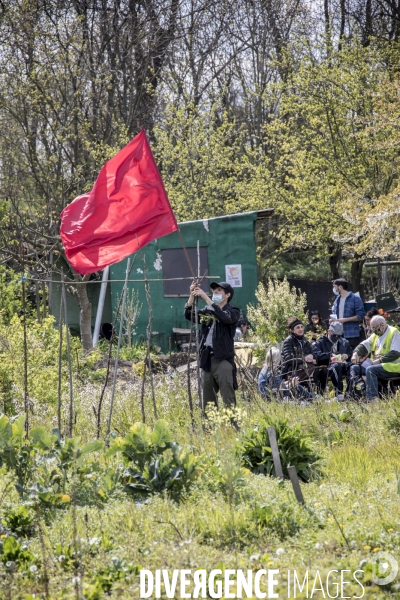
334,290
216,298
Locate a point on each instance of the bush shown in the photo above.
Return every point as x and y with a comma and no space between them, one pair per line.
160,465
294,448
19,520
276,304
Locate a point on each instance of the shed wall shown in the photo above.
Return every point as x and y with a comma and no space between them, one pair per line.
229,240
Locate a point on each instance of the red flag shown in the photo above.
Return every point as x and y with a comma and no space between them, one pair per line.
127,208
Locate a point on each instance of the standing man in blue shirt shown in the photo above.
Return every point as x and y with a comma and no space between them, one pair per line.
349,310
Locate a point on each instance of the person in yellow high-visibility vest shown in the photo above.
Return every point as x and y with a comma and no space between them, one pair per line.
383,348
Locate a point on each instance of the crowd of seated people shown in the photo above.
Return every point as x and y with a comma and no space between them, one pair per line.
320,352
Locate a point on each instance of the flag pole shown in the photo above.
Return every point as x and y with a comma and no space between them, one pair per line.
121,324
100,306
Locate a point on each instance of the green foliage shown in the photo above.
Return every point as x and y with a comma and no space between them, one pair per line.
19,520
295,449
13,554
10,294
160,465
105,578
43,462
224,476
15,451
393,421
200,150
42,356
276,303
278,518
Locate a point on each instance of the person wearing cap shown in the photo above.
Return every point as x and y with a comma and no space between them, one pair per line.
349,310
218,325
383,348
332,352
297,356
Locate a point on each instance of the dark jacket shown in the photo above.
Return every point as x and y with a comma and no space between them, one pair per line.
293,353
226,319
322,349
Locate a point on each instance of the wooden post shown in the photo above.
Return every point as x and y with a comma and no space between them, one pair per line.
71,392
296,485
275,452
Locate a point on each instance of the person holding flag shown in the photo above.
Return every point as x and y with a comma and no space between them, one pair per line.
218,322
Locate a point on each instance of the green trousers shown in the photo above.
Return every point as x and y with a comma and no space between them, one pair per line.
218,379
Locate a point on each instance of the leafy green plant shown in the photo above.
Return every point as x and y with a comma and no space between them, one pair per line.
160,465
295,449
142,444
15,451
226,476
65,555
13,554
19,520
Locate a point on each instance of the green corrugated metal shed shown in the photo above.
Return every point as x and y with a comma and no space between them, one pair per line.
227,240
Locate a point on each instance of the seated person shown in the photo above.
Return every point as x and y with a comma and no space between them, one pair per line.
242,331
316,326
332,352
373,312
297,357
270,381
383,348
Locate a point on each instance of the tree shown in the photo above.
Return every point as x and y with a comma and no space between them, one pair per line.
77,80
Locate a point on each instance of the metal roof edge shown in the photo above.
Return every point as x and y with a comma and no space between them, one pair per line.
261,214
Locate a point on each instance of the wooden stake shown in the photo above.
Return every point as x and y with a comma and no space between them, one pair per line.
26,396
71,392
275,452
37,301
100,405
149,328
44,300
296,484
60,368
196,312
189,386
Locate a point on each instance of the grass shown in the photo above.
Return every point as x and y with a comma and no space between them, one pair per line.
230,518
